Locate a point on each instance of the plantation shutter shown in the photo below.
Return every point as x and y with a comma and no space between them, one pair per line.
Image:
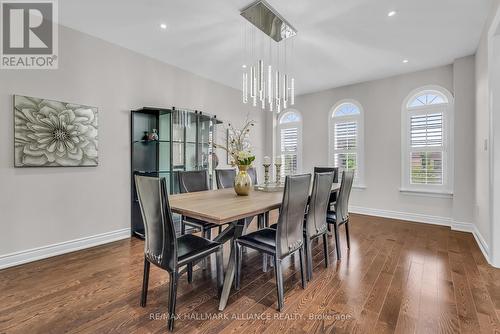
426,148
289,139
345,145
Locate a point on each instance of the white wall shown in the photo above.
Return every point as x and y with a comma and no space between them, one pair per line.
483,178
44,206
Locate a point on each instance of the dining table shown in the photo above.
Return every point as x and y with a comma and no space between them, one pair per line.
224,207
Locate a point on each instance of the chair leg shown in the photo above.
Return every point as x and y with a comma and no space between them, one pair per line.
308,252
347,234
337,240
190,272
237,274
172,298
266,259
220,229
145,282
325,250
279,282
183,226
219,259
302,267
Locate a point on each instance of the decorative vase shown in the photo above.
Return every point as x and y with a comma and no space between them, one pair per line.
243,181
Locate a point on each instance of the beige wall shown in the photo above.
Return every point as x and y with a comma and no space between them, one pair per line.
44,206
382,103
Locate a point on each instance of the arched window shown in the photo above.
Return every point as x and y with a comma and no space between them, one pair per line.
290,142
347,138
427,140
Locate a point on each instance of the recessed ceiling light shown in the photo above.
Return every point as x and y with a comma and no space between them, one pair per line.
392,13
244,66
405,61
163,26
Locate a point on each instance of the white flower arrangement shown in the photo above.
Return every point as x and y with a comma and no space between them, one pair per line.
239,147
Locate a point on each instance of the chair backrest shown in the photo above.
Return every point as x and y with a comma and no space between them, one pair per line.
191,181
160,246
253,175
225,178
342,204
290,230
318,204
334,170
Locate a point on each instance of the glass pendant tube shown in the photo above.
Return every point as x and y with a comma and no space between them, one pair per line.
245,87
285,91
270,85
253,86
292,91
277,93
260,67
252,79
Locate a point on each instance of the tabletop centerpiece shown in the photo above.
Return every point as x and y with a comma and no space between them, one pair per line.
240,151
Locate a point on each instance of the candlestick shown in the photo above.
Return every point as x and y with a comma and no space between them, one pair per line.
278,172
266,171
267,160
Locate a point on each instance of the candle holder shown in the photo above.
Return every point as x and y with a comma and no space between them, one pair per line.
266,173
278,172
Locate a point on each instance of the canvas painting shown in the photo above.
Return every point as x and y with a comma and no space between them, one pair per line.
54,134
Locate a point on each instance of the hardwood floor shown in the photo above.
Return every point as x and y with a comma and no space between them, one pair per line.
398,277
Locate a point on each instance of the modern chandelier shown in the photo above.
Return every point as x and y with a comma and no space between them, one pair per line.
266,80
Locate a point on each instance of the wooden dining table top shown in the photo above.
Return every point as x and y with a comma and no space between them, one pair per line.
224,206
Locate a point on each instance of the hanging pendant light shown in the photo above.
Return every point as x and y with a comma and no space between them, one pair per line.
270,88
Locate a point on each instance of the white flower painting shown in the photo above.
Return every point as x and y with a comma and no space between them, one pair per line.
54,134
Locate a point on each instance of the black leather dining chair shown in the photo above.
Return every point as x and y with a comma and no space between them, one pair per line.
340,216
335,171
287,238
315,223
192,181
161,246
225,178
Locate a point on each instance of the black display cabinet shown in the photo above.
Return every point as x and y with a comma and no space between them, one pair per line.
185,142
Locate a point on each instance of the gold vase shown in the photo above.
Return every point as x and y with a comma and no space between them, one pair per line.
243,181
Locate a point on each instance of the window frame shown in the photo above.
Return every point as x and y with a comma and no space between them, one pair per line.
290,125
447,148
359,180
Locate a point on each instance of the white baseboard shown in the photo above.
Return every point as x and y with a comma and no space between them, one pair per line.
412,217
17,258
427,219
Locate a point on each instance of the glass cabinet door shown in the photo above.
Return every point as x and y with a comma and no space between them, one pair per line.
205,130
177,140
191,120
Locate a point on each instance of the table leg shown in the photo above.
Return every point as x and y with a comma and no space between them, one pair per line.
240,228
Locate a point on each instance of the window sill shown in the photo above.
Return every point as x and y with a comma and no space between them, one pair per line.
427,193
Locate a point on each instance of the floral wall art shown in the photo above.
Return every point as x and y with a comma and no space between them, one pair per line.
54,134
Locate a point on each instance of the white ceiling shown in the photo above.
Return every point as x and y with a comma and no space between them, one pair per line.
339,41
